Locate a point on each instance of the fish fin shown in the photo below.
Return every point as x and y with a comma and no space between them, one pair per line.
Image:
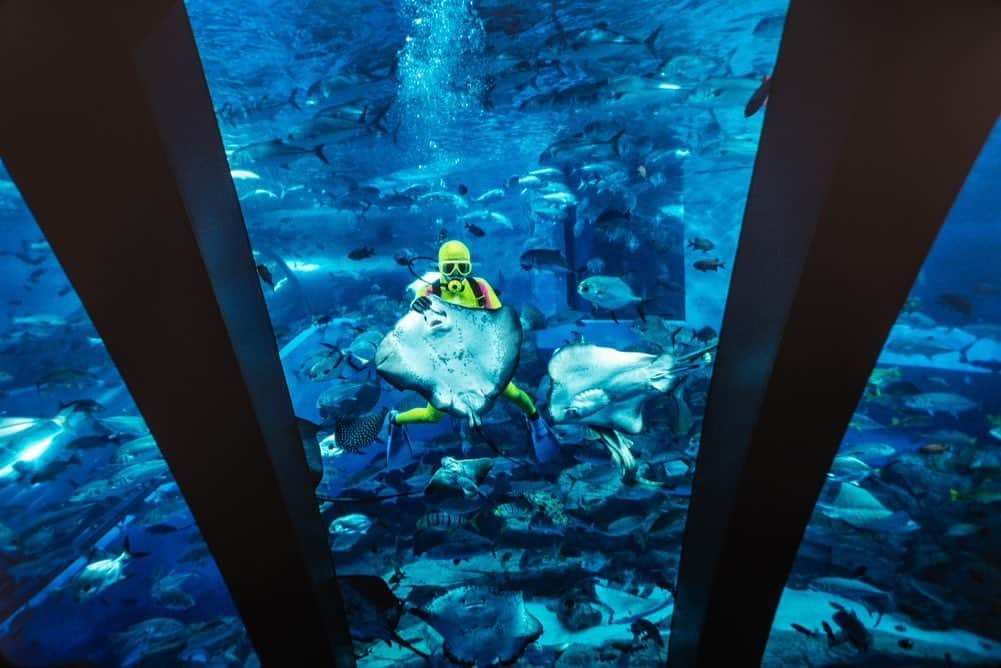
318,151
292,100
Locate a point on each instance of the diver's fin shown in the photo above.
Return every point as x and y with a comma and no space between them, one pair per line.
395,440
547,448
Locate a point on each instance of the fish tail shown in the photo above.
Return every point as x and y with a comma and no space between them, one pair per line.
318,152
651,40
614,141
133,554
292,100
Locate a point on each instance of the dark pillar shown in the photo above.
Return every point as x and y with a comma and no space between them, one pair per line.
108,129
877,112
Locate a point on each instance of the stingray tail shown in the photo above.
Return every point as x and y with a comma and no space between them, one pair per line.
403,642
493,446
666,370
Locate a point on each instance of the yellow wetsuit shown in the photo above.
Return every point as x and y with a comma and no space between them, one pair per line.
468,299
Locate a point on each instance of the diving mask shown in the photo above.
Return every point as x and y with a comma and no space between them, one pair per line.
456,268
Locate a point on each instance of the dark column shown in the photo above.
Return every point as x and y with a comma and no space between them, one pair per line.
877,112
108,129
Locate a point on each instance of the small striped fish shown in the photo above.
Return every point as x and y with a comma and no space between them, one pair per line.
446,521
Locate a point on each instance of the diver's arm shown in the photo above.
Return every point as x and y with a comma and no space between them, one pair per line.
489,294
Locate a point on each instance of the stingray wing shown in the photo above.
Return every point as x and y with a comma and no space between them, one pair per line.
581,373
459,359
482,626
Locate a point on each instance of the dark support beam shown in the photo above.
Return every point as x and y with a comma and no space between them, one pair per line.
108,129
877,113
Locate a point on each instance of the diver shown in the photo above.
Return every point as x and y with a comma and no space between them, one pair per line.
456,285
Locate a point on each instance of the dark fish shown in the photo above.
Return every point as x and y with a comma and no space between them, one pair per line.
857,635
65,379
802,629
475,230
933,448
759,97
612,217
831,638
52,470
274,151
706,334
900,627
65,291
348,398
404,258
361,253
373,609
645,629
901,388
356,434
704,245
543,259
263,108
462,190
709,265
957,303
905,643
265,274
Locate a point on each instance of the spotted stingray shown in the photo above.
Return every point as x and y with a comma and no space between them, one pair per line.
606,390
459,359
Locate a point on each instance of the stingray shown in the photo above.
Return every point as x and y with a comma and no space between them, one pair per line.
606,390
482,626
459,476
457,358
373,611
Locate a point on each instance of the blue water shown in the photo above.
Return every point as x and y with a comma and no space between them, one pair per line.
613,133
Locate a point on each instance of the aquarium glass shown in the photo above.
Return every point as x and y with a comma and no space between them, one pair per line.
900,562
101,562
595,158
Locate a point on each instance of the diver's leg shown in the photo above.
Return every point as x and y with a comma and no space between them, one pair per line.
398,436
521,399
543,439
424,415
